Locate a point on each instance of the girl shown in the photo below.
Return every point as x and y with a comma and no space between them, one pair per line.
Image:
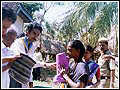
93,67
78,70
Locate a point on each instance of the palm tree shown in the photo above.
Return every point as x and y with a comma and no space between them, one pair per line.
103,23
91,20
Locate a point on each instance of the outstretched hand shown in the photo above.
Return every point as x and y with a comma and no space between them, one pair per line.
108,57
63,73
51,65
10,59
61,69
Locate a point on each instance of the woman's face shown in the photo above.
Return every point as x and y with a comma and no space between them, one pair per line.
72,52
87,55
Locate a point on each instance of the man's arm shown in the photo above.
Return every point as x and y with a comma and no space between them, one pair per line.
10,58
45,65
108,57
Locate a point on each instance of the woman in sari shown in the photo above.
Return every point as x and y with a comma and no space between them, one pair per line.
78,70
93,67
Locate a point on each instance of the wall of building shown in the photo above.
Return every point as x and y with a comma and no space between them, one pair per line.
18,25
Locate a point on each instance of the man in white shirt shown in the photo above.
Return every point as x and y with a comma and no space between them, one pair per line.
27,46
7,55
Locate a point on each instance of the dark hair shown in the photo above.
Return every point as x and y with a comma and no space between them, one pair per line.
77,44
106,42
89,48
8,13
34,25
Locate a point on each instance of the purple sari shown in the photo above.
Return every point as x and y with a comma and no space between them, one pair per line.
93,67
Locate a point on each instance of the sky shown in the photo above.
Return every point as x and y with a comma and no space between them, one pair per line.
57,13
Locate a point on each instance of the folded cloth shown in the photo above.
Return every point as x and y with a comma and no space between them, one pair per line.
61,61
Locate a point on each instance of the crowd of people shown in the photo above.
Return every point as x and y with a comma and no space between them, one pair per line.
81,71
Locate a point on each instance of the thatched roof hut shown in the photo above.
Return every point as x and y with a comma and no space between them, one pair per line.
52,47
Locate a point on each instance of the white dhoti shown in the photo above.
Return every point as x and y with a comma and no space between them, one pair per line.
5,79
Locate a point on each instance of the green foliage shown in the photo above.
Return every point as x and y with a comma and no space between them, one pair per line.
93,18
91,10
32,6
90,19
49,29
